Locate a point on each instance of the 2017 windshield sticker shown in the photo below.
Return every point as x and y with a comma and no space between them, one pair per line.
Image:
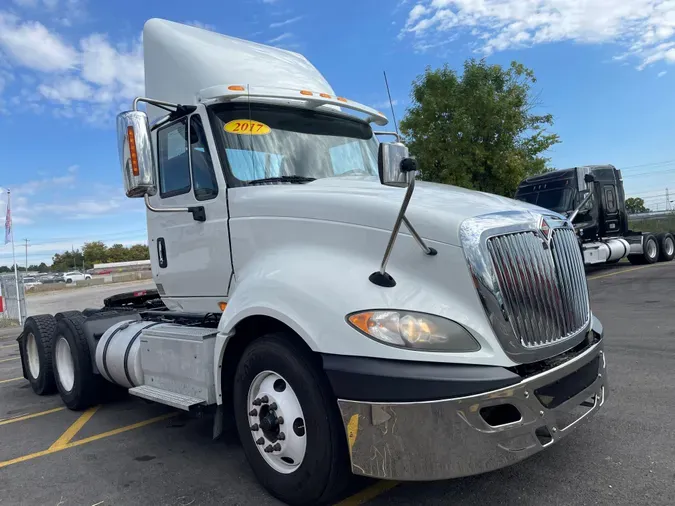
247,127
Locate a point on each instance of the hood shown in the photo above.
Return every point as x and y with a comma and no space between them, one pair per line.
436,210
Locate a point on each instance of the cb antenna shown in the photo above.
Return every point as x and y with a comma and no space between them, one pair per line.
391,104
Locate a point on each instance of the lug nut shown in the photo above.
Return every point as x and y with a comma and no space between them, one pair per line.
268,449
260,441
253,412
281,436
257,402
527,394
554,429
254,427
264,399
273,406
277,447
280,420
541,413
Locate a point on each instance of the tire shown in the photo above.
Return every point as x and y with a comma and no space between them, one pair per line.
79,387
42,328
67,314
650,251
325,469
68,281
666,247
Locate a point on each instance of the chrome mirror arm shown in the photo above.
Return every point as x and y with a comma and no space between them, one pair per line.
381,278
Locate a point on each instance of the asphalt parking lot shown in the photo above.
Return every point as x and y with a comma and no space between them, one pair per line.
130,452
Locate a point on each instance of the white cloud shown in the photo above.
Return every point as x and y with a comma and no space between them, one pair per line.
36,185
384,104
199,24
95,75
286,22
31,45
661,74
282,37
67,90
641,26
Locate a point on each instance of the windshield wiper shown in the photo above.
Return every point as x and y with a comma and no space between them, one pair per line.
283,179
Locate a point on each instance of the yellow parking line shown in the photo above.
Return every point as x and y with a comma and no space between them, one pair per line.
367,493
9,359
621,271
74,428
11,379
28,417
86,440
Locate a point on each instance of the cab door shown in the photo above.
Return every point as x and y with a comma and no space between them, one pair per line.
190,258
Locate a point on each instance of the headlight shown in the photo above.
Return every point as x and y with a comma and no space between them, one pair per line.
409,329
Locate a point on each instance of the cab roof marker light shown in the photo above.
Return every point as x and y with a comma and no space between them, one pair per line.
225,92
306,93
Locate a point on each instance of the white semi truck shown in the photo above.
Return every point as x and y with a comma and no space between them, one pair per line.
291,298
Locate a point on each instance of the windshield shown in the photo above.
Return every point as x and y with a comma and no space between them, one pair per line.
265,141
559,200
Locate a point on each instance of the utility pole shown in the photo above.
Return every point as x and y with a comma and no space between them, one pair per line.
26,241
667,200
72,252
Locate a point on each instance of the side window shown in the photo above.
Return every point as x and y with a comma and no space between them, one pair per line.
347,157
610,198
203,175
174,169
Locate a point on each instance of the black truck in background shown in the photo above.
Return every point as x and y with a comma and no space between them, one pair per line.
593,198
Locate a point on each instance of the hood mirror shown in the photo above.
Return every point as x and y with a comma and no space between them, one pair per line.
394,164
396,168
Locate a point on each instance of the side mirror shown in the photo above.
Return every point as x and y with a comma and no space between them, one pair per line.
589,178
136,154
394,164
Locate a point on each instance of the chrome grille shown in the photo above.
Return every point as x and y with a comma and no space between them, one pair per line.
543,290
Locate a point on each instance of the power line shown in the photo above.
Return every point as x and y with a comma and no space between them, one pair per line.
630,167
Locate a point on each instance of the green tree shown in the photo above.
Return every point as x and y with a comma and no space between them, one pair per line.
477,130
139,252
118,253
95,253
43,267
635,205
67,261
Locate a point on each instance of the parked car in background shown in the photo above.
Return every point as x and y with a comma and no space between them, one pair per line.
75,276
30,282
53,277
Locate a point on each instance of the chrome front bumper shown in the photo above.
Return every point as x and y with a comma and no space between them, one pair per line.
444,439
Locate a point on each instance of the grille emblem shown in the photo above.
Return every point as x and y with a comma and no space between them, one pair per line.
545,232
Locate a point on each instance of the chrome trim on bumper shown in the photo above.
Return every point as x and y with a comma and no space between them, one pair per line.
444,439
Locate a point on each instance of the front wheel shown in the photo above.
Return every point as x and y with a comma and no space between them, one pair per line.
288,422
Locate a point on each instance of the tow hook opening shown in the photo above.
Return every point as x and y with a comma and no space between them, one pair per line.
502,414
543,435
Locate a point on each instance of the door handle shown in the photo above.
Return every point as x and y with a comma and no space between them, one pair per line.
161,252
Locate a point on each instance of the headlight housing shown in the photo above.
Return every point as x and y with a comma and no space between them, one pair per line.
410,329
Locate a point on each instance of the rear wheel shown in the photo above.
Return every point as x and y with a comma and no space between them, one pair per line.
37,353
288,422
666,247
79,387
650,251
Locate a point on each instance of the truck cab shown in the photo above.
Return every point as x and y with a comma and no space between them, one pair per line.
593,198
348,318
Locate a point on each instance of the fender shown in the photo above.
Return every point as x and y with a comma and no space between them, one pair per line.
294,286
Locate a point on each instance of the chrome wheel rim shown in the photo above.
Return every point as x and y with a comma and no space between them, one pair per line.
651,248
64,364
669,246
33,356
277,422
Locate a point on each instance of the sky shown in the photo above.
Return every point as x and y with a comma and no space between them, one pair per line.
605,69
